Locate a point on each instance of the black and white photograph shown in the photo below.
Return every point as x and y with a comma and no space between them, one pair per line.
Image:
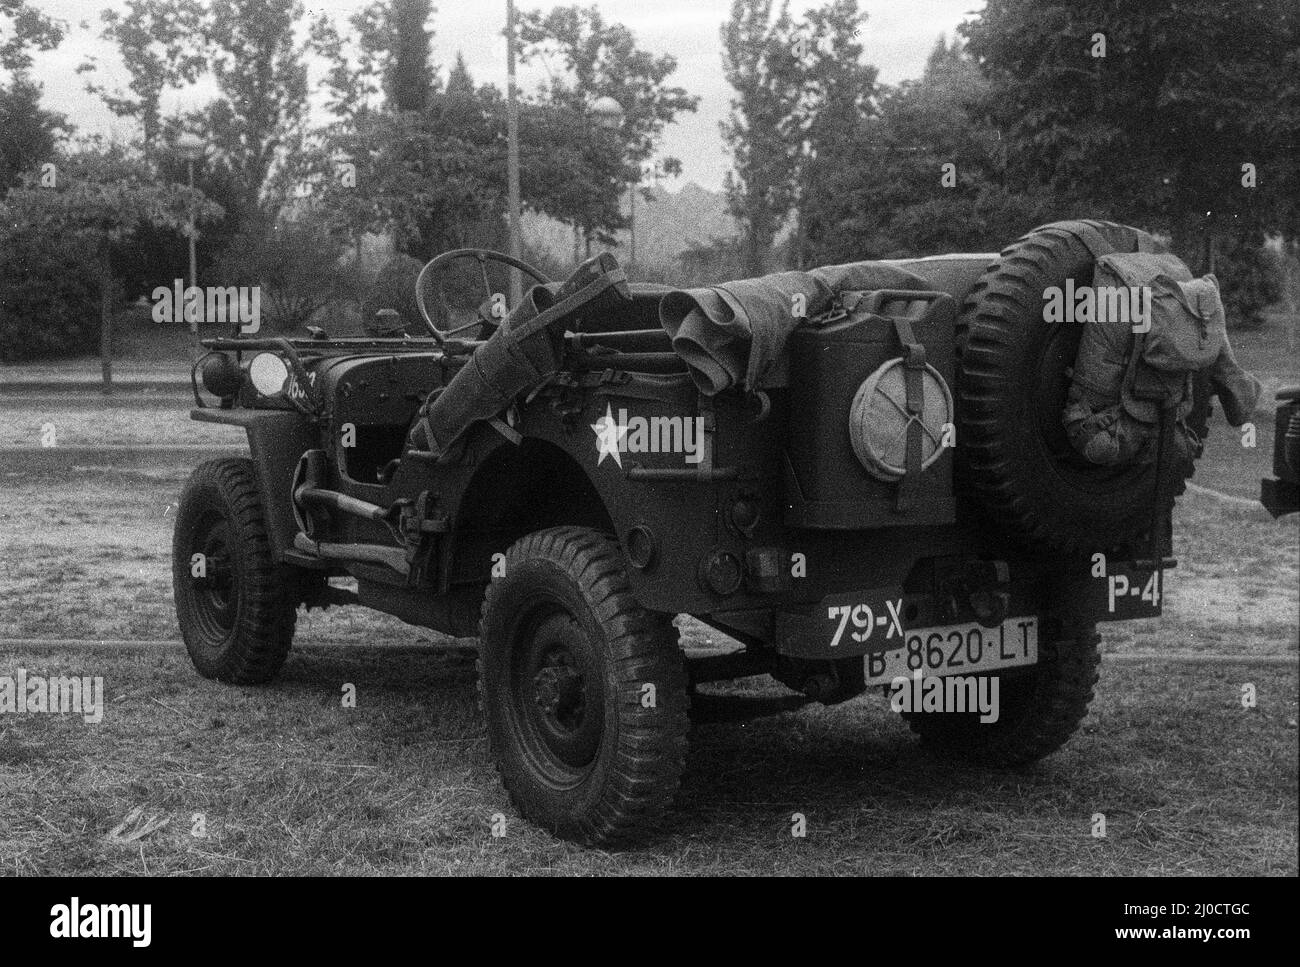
612,439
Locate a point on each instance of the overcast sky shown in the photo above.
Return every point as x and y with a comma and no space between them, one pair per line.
898,36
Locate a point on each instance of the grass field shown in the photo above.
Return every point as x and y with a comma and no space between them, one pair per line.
287,781
98,425
88,556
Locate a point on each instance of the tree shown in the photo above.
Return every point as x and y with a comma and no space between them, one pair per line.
99,198
390,54
1151,113
602,59
350,84
247,49
918,176
153,255
437,179
436,176
22,28
261,111
294,264
161,46
410,76
763,127
30,133
837,91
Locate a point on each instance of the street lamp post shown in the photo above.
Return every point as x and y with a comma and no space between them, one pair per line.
191,149
608,114
512,154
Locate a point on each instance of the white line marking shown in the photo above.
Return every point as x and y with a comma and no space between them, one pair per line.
1226,498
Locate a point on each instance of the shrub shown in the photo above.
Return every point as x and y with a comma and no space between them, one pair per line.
296,265
49,302
1251,278
394,288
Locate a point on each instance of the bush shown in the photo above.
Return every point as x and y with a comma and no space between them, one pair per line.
711,262
296,265
49,302
1251,278
394,288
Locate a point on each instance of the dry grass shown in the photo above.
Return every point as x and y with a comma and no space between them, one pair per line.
106,425
289,782
88,556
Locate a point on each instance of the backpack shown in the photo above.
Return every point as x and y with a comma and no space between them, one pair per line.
1153,327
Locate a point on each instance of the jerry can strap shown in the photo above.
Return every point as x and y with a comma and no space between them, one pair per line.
901,307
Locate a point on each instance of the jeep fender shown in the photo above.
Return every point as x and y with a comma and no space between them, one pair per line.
617,505
276,441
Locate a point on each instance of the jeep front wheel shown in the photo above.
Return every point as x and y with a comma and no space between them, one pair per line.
234,603
584,692
1038,709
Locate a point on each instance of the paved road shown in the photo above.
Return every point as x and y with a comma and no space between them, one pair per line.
93,387
66,458
75,401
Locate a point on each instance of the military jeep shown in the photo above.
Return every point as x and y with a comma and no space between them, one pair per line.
889,492
1280,494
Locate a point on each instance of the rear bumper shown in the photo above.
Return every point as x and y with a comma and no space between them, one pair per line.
880,619
1279,497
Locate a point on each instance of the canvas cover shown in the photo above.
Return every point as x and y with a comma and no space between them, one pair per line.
735,333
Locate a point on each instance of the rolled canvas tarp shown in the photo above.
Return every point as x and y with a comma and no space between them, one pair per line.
732,334
521,354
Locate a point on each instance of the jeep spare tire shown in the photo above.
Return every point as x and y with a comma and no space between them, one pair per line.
1014,460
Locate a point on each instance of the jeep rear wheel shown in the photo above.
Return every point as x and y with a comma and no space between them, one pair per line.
234,603
584,692
1038,709
1015,460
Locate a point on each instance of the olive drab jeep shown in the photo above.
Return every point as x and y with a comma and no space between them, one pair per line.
1280,494
864,475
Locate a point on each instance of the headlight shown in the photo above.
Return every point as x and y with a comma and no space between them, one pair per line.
268,373
220,375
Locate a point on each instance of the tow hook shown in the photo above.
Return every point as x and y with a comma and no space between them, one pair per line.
991,607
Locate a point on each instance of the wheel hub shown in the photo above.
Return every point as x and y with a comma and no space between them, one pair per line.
215,584
556,687
557,690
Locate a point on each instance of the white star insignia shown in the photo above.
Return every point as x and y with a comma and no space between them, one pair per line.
608,437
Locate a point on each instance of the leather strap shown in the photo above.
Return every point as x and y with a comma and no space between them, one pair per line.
914,389
607,280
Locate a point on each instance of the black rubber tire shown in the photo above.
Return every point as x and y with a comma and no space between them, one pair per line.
1014,460
624,766
237,621
1039,709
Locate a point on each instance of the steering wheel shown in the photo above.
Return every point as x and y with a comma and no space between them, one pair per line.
491,310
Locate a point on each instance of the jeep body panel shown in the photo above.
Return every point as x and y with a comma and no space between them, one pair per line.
1280,494
276,441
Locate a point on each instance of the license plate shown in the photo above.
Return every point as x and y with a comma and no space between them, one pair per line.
969,649
1127,593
